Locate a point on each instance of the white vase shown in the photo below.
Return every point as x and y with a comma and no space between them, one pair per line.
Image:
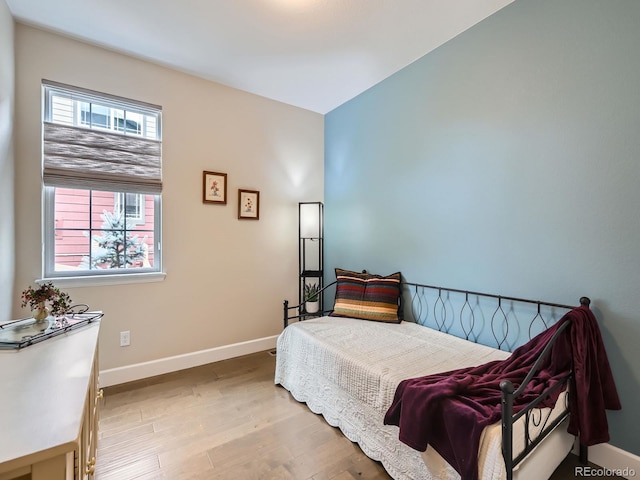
312,307
41,313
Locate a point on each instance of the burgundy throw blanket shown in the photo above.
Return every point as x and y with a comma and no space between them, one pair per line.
449,410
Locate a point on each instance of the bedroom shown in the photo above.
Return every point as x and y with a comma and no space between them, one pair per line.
526,182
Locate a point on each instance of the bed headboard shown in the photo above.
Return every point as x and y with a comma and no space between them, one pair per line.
496,320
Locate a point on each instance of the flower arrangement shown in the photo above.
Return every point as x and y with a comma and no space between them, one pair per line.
46,294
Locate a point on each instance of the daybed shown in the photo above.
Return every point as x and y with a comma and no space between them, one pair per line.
348,370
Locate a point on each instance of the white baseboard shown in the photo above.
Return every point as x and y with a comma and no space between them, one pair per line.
619,461
138,371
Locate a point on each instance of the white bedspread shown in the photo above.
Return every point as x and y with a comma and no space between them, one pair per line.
348,370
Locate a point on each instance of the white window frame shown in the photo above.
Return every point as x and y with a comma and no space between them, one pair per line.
97,276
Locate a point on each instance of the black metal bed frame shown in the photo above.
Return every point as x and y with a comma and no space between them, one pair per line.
301,309
437,306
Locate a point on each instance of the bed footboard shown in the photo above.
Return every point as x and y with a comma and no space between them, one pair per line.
544,423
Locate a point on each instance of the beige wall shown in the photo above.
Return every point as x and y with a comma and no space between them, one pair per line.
7,252
226,278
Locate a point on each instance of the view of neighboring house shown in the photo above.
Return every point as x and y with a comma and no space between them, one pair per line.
83,217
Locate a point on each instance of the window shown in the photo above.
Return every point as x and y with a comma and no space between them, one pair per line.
103,182
131,205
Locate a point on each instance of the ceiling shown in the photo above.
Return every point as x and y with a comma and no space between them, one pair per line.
314,54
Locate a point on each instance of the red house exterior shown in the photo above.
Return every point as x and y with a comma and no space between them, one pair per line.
78,218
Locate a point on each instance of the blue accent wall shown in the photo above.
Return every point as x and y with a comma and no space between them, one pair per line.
506,161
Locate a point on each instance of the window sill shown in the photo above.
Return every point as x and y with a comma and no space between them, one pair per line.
102,280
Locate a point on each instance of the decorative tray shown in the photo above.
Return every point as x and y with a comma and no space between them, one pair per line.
21,333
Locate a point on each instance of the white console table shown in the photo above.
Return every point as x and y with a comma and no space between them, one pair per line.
49,407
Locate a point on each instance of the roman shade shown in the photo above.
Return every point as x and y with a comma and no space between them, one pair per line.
76,157
98,141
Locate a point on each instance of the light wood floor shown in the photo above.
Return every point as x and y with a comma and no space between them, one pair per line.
226,420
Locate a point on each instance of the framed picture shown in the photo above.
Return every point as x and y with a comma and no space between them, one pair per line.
214,187
248,204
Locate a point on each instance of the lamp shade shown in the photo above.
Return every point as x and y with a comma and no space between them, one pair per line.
310,220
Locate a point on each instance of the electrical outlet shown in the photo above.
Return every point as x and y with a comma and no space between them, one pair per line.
125,338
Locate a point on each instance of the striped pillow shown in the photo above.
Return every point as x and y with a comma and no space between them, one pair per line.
367,296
